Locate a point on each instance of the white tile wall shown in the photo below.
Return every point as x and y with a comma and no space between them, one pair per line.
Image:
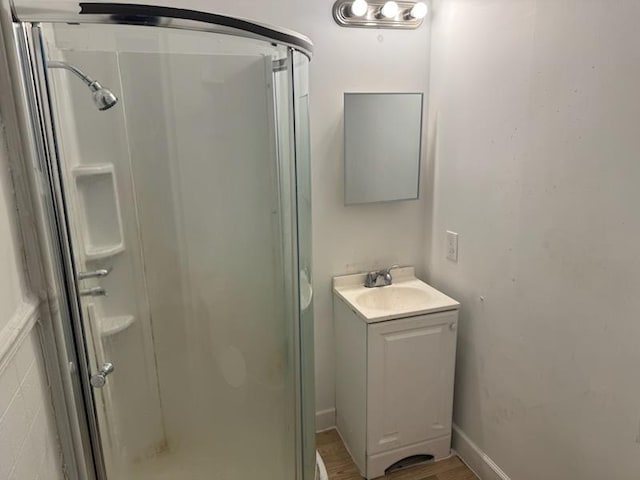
28,444
29,448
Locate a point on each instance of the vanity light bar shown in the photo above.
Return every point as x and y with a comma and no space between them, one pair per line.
379,14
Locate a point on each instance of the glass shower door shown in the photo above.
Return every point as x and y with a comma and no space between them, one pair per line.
181,203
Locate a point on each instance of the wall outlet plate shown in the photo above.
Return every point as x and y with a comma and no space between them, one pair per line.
452,246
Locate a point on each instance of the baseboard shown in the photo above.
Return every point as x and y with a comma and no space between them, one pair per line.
475,458
354,459
325,419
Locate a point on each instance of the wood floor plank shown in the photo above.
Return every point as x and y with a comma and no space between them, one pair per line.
340,466
460,473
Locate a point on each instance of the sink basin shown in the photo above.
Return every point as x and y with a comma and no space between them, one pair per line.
394,297
408,296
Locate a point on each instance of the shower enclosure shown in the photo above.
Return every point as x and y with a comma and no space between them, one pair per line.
173,145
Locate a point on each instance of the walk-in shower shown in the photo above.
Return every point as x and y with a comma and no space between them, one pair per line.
178,231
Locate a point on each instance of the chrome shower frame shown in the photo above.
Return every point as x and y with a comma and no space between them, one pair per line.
73,396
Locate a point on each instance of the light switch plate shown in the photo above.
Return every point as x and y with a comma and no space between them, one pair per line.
452,246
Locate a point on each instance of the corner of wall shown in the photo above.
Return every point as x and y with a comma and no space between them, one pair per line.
475,458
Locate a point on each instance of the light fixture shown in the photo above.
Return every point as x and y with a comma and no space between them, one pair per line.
389,9
400,14
419,10
359,8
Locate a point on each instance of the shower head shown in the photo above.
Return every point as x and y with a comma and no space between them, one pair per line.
103,98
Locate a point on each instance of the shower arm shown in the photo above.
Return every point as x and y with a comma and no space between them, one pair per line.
103,98
91,83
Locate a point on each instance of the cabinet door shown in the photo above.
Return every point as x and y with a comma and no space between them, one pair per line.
411,366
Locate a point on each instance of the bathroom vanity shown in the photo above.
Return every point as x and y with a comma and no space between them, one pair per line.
395,361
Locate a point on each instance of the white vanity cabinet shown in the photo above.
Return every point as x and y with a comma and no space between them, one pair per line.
410,370
394,384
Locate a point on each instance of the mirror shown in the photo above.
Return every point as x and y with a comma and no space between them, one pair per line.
382,142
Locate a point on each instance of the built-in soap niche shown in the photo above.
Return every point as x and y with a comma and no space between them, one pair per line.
98,211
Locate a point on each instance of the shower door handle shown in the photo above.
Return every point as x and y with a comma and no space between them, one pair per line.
100,379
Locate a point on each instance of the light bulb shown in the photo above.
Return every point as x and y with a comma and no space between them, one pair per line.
419,10
359,8
390,9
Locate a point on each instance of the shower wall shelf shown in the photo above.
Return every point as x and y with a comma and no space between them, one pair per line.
99,210
112,325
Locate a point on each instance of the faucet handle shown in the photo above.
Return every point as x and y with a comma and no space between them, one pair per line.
386,274
387,271
370,280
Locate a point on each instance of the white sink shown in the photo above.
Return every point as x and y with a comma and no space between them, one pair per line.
406,297
393,297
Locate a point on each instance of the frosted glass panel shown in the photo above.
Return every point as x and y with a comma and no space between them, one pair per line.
221,327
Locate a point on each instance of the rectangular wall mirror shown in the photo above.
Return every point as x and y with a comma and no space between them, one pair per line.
382,144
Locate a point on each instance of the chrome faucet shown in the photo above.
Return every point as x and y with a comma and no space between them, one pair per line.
381,278
93,292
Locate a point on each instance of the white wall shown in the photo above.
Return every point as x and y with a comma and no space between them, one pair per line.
29,447
534,123
358,238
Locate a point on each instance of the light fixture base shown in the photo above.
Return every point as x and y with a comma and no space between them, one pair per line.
372,19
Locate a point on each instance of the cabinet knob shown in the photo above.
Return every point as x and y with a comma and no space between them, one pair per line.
453,326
